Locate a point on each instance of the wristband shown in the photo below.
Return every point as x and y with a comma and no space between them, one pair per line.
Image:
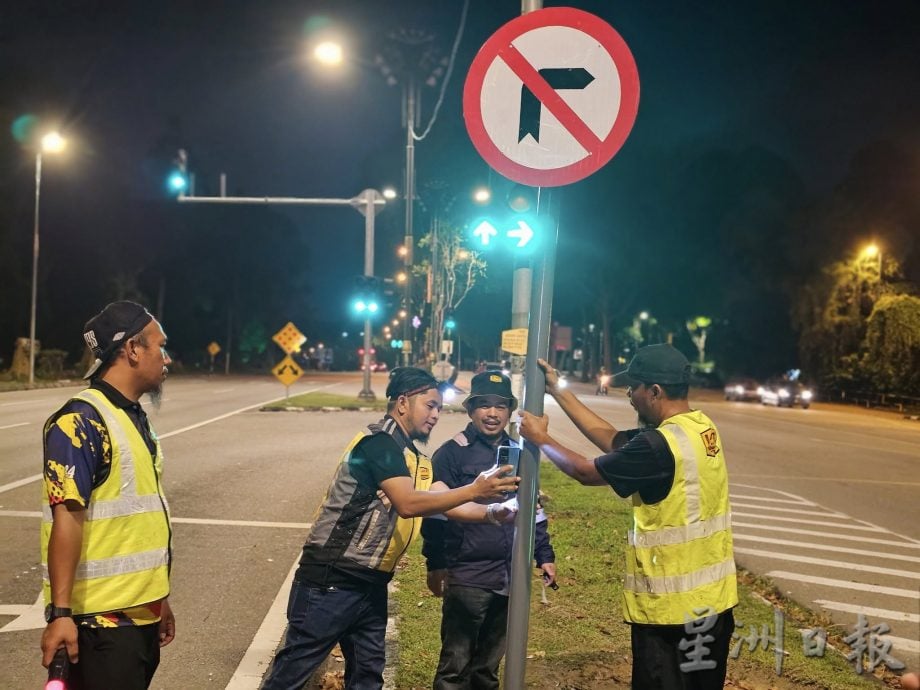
490,513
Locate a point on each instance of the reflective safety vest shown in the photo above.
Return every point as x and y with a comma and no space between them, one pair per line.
679,562
125,556
354,528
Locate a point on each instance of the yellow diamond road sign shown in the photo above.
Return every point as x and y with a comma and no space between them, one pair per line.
515,341
289,338
213,349
287,371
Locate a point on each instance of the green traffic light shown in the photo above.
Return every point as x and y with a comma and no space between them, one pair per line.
177,182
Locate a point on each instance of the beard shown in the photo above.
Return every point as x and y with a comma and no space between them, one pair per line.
156,397
421,438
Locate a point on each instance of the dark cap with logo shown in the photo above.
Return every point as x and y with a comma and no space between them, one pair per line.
409,381
110,329
662,364
490,384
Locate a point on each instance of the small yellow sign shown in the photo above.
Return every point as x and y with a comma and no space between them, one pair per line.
287,371
213,349
289,338
515,341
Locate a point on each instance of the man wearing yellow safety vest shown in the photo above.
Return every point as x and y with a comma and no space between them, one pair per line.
680,585
105,536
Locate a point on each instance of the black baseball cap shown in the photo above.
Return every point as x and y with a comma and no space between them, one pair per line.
662,364
110,328
491,384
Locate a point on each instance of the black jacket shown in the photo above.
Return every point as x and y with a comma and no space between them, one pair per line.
474,554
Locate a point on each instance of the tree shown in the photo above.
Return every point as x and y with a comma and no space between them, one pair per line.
891,349
452,271
698,327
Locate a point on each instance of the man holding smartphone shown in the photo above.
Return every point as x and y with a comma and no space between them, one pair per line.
468,563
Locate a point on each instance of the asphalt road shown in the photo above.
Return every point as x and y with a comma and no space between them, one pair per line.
824,501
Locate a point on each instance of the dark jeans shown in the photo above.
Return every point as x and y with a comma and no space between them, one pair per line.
317,619
473,623
657,656
124,658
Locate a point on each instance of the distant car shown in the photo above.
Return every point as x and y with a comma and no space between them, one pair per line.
376,366
787,394
743,390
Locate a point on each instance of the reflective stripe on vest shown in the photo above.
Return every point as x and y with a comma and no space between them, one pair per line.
117,519
679,535
679,556
668,584
120,565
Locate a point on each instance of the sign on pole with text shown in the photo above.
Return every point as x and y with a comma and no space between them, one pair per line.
551,97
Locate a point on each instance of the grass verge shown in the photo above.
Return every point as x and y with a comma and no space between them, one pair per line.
320,400
578,640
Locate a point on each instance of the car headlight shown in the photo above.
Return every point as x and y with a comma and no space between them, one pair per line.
739,390
783,393
806,395
760,390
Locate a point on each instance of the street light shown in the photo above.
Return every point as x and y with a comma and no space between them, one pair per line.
329,53
52,142
871,251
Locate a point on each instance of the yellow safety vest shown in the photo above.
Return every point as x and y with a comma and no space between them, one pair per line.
679,562
124,560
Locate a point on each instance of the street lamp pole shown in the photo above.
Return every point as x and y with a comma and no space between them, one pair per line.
410,201
35,245
53,143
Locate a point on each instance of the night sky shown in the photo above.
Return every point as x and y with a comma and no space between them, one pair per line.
772,137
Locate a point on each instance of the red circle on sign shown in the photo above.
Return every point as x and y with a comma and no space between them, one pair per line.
500,42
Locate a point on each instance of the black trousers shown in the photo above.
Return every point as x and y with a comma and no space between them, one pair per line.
473,623
675,657
124,658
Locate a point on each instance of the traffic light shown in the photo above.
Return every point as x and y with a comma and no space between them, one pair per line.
366,301
449,322
178,177
514,225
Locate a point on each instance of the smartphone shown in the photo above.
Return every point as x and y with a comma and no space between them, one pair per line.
508,455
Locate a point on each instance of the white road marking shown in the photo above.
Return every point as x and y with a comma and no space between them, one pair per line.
803,502
819,513
903,643
185,521
230,414
21,513
238,523
223,390
845,584
19,482
26,402
827,563
29,618
35,477
816,533
884,614
813,522
846,480
254,664
13,426
825,547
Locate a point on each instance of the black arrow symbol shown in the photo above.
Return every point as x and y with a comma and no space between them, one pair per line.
559,78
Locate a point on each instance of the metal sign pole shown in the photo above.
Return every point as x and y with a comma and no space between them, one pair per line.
541,303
